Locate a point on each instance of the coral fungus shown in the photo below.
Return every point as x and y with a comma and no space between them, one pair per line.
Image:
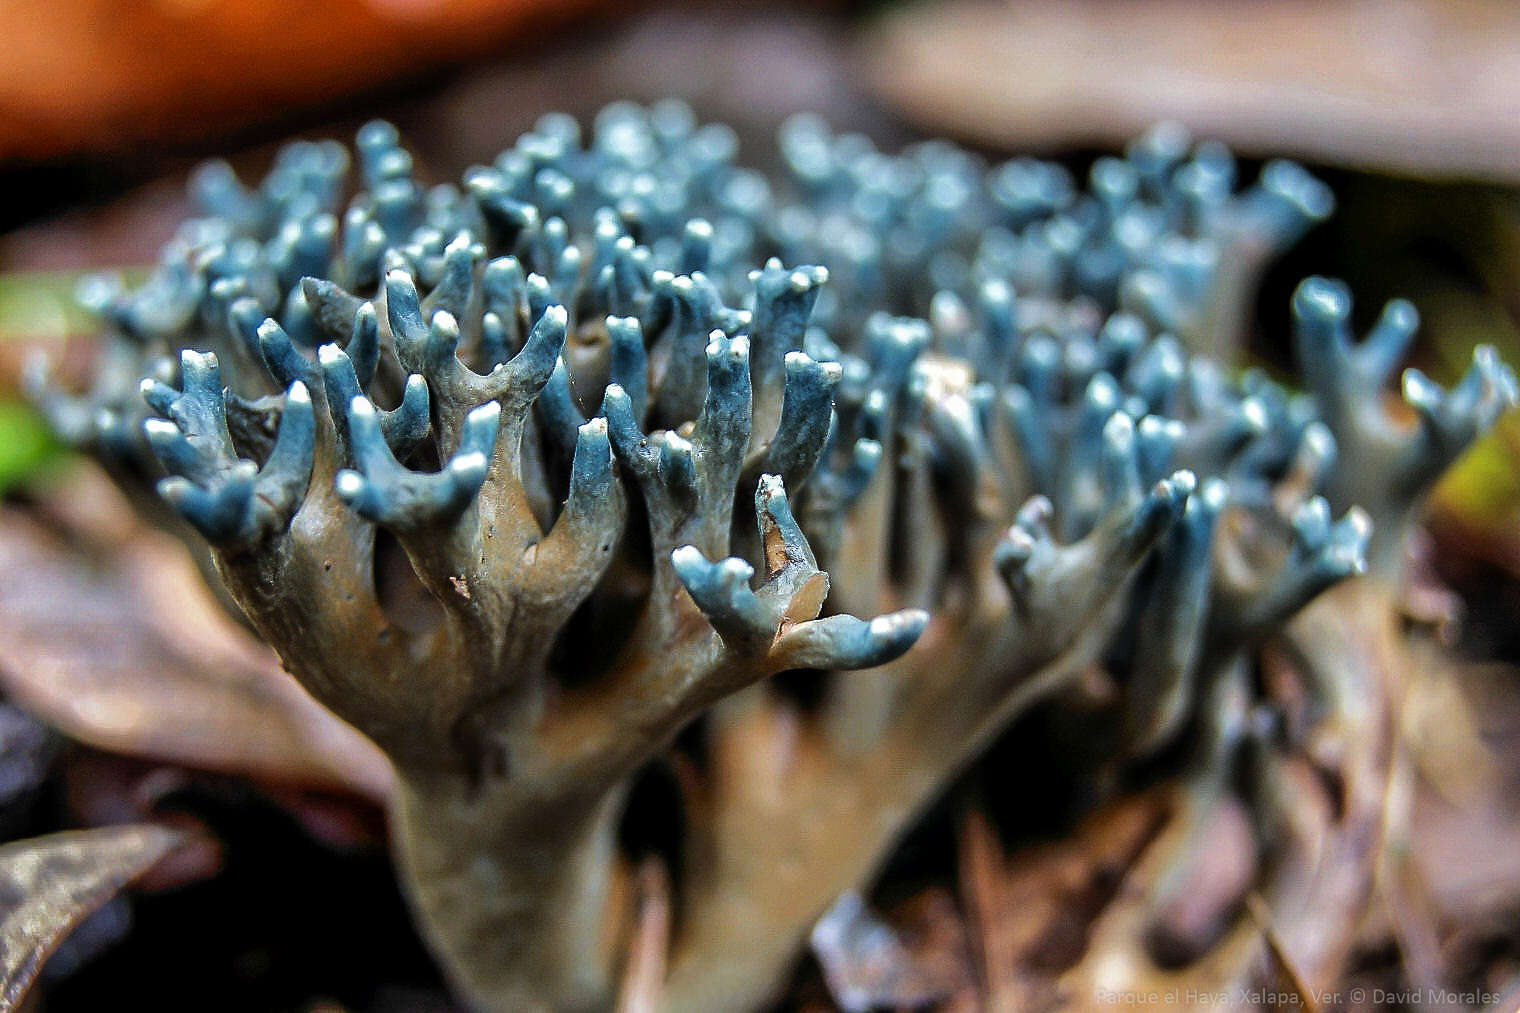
524,476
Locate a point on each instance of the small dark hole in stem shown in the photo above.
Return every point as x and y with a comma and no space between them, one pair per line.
403,598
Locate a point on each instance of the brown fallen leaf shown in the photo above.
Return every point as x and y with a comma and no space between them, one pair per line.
108,632
934,931
644,976
1051,896
1299,990
1418,86
981,881
1465,844
868,963
1199,902
104,790
49,884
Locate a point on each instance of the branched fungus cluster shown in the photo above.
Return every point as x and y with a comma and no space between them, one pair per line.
524,476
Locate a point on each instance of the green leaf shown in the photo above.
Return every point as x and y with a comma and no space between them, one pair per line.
26,443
